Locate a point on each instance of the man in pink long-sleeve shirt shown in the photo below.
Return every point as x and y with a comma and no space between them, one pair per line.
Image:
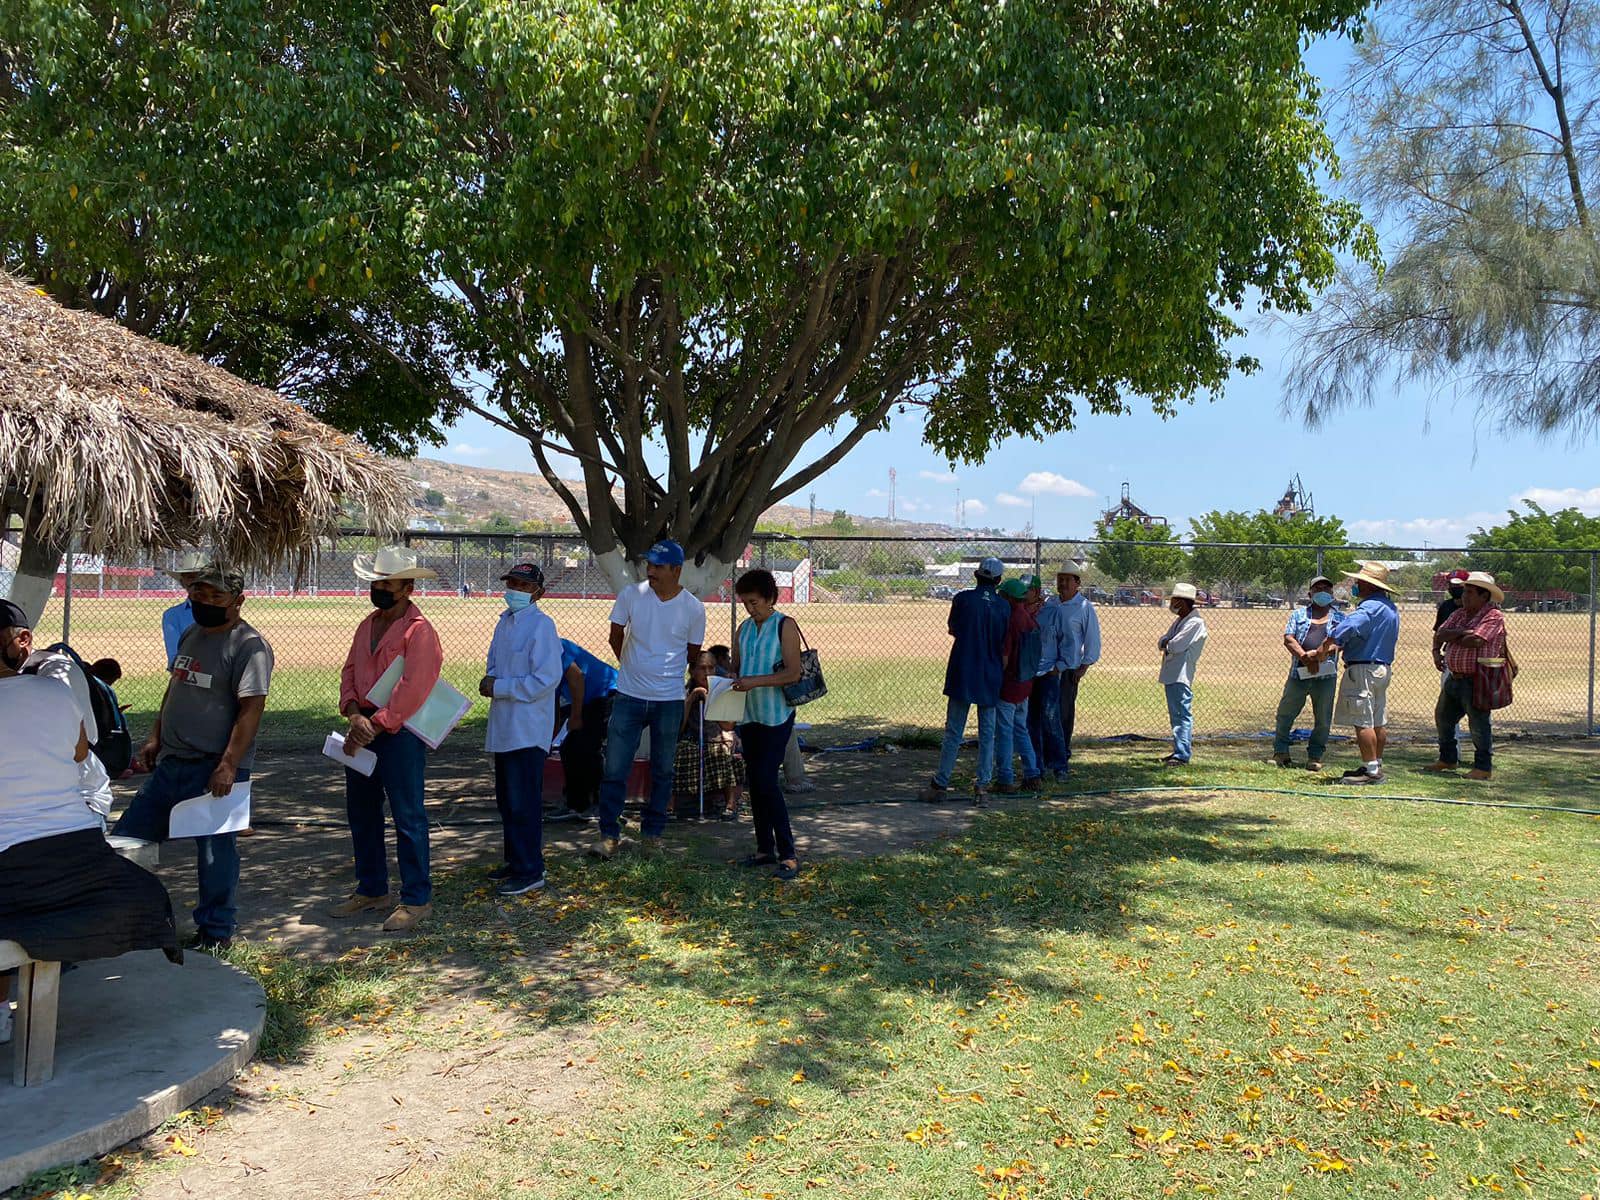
397,629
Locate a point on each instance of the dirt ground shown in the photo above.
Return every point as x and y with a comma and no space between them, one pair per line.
363,1109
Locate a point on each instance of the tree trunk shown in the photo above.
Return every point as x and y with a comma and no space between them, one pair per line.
702,579
36,570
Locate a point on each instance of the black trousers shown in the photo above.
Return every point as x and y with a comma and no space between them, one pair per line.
582,756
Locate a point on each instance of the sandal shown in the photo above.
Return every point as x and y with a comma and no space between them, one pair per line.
759,860
787,873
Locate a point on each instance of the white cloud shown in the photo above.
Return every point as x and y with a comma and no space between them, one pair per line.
910,506
468,451
1587,500
975,508
1413,531
1010,501
1048,483
877,494
937,476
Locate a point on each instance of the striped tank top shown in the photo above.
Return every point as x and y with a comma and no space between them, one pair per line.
761,653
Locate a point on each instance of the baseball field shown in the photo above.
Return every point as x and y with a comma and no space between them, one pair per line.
884,662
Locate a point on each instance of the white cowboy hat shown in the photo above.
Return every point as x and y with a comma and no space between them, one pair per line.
1484,580
190,562
1071,568
392,562
1184,591
1371,572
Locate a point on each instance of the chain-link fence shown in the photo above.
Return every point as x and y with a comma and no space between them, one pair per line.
876,608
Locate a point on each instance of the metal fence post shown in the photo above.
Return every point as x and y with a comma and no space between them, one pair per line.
1320,567
1038,556
1594,603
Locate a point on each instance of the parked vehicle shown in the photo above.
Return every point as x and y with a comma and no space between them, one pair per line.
1098,595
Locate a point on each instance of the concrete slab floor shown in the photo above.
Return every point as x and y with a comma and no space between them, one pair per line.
139,1040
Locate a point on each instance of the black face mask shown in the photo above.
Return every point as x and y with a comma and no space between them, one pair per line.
208,616
383,599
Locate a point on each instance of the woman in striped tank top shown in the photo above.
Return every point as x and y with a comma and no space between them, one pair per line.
766,656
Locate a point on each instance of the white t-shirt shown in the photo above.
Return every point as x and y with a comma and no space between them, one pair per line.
40,795
655,655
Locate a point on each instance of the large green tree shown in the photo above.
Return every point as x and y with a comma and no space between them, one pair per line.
1280,549
690,251
1473,133
1496,549
1140,554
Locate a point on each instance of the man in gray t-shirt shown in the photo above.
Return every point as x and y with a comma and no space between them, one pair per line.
204,740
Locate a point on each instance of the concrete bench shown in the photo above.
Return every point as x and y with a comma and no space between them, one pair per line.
33,1035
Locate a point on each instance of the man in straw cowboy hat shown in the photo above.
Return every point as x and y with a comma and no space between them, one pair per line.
204,738
395,629
1313,679
1180,650
177,619
1367,638
1472,636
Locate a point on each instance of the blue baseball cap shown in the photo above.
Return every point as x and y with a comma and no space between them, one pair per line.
991,568
665,553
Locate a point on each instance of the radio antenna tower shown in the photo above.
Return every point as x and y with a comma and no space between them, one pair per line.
891,495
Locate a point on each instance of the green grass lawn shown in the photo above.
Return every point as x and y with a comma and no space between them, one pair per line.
1240,995
1221,992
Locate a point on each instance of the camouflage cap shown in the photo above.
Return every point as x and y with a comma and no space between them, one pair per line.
223,578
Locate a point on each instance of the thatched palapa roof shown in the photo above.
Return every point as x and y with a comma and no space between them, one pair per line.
144,446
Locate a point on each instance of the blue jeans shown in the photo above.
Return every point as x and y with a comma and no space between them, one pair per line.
630,716
1180,711
1045,727
1455,702
398,777
519,795
763,762
1293,702
1011,732
955,730
216,858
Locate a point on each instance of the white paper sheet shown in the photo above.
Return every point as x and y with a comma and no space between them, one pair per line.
440,712
1325,668
363,761
722,702
207,815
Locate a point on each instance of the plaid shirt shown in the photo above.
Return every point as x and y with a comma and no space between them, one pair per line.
1489,624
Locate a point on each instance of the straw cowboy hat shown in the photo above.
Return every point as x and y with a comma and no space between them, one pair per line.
190,564
1184,591
1371,572
1484,580
392,562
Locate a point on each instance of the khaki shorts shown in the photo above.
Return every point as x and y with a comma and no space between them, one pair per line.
1363,696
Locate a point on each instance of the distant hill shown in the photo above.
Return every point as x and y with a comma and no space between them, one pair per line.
460,497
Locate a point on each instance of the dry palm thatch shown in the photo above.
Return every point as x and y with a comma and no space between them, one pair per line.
143,446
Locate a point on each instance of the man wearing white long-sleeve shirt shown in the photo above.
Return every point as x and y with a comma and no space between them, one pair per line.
1071,645
524,671
1180,650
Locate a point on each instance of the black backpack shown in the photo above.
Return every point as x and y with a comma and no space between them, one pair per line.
112,743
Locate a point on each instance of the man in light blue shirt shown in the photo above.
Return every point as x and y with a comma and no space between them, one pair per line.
524,670
1071,636
1367,638
176,620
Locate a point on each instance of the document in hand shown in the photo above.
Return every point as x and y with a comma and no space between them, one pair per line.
722,702
208,814
363,761
440,712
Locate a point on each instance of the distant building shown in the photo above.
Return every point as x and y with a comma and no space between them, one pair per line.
1296,501
425,525
1127,510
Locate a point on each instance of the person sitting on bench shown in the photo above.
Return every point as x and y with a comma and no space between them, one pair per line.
65,894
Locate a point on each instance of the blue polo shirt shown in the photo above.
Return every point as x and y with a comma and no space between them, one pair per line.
978,619
599,678
1370,633
175,623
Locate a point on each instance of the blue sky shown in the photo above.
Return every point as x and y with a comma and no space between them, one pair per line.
1416,470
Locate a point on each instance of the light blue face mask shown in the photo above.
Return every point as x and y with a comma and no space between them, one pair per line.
1322,599
517,601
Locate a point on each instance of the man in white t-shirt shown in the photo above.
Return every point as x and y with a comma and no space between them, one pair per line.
656,631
